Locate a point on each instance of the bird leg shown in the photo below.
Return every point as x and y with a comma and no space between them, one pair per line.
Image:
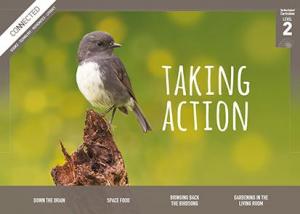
113,108
113,114
107,110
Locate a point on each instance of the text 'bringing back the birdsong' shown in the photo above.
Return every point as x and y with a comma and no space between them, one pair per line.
222,107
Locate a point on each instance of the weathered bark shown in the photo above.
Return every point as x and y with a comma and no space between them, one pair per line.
96,162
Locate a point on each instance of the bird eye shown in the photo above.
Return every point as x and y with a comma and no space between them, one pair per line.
99,43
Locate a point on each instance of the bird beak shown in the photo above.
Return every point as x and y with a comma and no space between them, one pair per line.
116,45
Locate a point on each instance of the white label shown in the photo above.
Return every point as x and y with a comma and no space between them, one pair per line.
23,23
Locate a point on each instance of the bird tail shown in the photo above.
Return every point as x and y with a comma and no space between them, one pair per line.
141,118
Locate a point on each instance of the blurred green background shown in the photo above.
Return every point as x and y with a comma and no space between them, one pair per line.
46,105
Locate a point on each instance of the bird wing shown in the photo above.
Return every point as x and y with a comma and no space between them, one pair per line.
120,72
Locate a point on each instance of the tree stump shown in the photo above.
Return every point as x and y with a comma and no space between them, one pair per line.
96,162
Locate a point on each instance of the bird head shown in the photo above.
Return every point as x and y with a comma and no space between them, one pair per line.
96,43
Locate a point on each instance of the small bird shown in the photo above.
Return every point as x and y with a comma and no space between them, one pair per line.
102,78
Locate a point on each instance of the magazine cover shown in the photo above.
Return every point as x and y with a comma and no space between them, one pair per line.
149,107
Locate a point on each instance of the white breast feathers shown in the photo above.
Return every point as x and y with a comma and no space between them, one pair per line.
90,83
